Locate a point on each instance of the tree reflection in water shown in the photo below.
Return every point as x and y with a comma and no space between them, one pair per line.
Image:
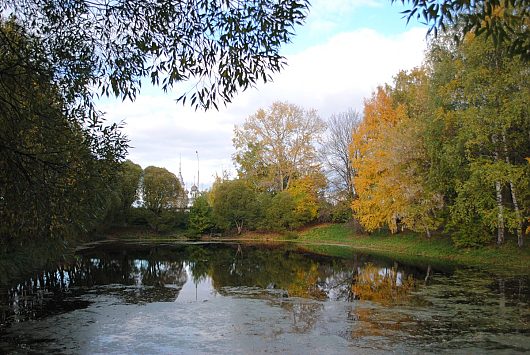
142,273
385,285
270,291
304,315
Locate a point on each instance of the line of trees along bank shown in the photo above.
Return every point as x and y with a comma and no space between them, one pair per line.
447,146
280,184
444,148
465,170
152,197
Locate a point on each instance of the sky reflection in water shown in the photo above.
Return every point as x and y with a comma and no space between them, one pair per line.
218,298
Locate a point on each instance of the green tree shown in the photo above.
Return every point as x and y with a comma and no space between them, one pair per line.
126,191
201,216
505,21
280,213
234,205
483,95
422,206
277,145
56,175
130,175
160,189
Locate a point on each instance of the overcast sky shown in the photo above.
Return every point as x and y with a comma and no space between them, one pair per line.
343,52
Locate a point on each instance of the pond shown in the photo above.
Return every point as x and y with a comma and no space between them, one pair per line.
242,298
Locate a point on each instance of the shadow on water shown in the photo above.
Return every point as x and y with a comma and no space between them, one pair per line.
276,291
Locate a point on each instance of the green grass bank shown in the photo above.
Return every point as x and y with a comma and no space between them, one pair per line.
409,247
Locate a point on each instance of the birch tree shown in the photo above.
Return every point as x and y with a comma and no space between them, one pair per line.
486,103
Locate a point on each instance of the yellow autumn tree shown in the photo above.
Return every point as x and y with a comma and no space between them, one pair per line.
378,203
392,158
305,194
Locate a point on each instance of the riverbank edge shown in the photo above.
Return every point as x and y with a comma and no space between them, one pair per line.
409,247
325,239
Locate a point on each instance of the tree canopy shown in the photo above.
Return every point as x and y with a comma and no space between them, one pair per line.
55,172
507,22
221,46
160,189
234,204
277,145
447,145
201,219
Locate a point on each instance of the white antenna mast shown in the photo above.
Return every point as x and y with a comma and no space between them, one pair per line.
196,152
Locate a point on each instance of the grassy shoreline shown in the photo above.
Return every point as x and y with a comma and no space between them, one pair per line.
411,248
407,246
327,239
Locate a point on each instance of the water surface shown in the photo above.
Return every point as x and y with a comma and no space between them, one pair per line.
239,298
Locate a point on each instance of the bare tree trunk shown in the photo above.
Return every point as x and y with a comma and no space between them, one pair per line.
239,226
518,216
500,207
500,213
428,232
514,197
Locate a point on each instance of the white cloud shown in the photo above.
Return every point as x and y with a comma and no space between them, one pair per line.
330,77
341,72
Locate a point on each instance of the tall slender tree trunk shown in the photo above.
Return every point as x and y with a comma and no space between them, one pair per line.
500,207
239,226
500,213
514,197
517,215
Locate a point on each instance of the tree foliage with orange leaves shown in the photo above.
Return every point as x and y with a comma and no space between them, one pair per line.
391,159
378,202
446,145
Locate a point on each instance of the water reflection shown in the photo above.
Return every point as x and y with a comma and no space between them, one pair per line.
304,315
157,273
272,290
385,285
